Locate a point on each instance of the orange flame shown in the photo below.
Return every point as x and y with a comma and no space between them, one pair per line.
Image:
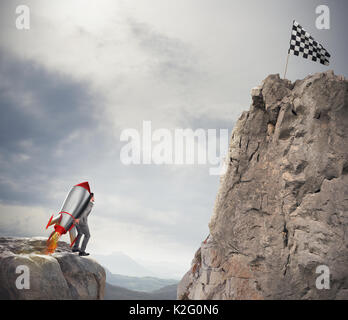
52,243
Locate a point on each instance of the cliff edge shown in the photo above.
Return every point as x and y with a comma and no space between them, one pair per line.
282,208
62,275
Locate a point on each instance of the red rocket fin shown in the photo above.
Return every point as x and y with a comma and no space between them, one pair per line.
53,220
49,222
84,185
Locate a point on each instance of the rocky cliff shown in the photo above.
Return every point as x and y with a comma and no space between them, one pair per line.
63,275
282,207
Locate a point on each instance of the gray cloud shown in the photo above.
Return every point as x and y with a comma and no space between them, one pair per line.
39,111
170,58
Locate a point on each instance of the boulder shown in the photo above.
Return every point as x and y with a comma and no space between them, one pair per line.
62,275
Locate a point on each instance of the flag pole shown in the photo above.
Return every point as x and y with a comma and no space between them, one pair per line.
286,66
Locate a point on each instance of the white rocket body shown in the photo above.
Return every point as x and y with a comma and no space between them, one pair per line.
72,208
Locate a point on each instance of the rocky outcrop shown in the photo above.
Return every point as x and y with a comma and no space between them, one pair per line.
62,275
282,207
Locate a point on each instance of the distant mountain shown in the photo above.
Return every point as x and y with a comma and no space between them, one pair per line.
113,292
165,269
145,284
119,263
167,292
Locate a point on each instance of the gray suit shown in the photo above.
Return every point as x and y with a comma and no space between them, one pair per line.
82,228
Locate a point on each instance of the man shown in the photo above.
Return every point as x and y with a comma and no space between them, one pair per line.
82,229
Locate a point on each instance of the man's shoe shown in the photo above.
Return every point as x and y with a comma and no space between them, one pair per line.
83,253
75,250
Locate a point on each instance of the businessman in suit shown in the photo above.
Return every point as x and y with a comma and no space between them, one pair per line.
82,229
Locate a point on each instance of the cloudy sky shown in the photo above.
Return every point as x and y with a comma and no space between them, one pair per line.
86,70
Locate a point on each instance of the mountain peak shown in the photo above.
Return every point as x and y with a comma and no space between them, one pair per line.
281,211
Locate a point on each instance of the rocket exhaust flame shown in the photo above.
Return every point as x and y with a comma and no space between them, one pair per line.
52,243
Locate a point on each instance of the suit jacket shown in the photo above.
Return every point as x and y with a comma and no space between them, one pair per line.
85,214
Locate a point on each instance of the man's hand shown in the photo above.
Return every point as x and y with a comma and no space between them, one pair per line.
77,221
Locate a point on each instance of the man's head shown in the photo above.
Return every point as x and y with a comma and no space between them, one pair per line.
92,197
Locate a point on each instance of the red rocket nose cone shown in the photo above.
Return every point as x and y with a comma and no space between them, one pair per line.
84,185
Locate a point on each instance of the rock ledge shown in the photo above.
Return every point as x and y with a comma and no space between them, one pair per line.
62,276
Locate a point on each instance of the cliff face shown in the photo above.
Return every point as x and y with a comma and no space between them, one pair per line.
282,207
63,275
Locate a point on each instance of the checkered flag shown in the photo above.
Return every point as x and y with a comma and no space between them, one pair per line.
303,44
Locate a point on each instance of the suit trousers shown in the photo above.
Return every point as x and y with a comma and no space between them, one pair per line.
82,229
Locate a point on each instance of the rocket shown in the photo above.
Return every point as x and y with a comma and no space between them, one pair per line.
65,221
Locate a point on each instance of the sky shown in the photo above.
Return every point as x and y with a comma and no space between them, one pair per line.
87,70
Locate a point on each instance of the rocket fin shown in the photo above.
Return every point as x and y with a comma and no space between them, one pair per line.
73,235
54,220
